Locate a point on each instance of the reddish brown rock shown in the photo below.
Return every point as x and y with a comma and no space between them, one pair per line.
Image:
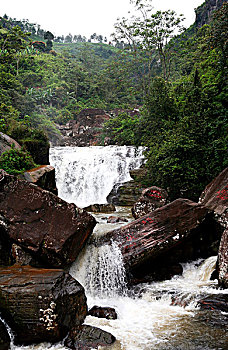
88,337
177,232
40,304
43,176
86,129
215,197
151,199
223,260
50,229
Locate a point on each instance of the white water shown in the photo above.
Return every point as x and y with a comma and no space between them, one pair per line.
147,317
86,175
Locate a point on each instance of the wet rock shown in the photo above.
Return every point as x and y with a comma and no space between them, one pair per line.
7,142
4,337
50,229
214,302
40,304
126,194
115,219
88,337
223,260
43,176
215,197
103,312
151,199
177,232
100,208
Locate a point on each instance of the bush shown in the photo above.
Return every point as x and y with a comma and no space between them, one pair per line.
16,161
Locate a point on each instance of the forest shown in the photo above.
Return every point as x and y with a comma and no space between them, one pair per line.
175,77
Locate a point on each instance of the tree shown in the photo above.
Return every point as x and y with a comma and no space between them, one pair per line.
150,33
49,37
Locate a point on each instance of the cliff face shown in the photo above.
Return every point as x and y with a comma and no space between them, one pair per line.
204,12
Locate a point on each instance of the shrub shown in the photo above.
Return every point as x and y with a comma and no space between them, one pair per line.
16,161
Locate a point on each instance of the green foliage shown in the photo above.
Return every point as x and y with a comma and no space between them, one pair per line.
16,161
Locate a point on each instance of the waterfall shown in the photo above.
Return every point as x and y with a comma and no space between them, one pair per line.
101,271
86,175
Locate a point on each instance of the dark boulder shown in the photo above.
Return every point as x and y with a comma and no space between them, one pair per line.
214,302
87,337
177,232
103,312
43,176
40,304
4,337
100,208
223,260
114,219
151,199
50,229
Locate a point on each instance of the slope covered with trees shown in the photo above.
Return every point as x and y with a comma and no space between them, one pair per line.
183,122
177,76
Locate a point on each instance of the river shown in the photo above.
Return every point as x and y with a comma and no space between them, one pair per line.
148,318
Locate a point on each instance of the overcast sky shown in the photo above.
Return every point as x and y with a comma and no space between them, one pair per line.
85,17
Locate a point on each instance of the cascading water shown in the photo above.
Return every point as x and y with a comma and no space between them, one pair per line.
86,175
156,316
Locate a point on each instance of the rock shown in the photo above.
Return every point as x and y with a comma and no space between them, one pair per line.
7,142
40,304
86,129
204,13
115,219
103,312
177,232
215,197
5,244
43,176
126,194
4,337
151,199
214,302
88,337
223,261
50,229
100,208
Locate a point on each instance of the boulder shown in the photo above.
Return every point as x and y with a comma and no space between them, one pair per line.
115,219
40,304
87,337
45,226
151,199
215,197
125,194
156,243
7,142
103,312
214,302
223,260
100,208
4,337
43,176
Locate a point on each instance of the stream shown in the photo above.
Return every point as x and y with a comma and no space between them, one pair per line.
148,317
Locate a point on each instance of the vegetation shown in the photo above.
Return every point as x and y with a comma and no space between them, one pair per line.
183,122
16,161
177,76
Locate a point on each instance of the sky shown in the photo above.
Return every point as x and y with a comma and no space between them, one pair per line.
86,17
